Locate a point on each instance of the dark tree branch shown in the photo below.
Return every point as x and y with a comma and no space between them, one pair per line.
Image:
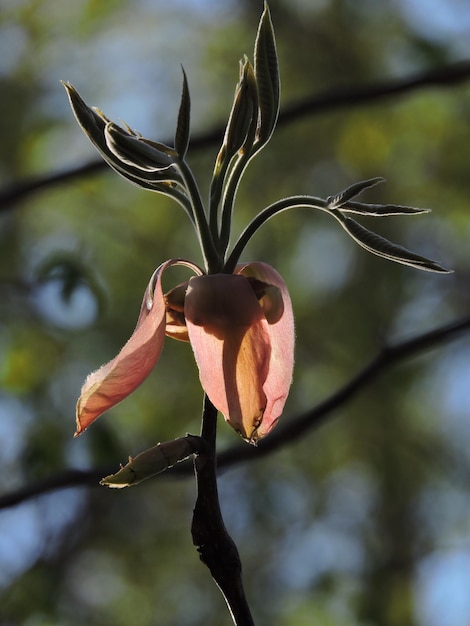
289,430
215,546
448,75
66,479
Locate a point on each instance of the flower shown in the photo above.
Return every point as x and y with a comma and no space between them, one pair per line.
241,329
237,318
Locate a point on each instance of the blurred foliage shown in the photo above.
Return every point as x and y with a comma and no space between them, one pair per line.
366,520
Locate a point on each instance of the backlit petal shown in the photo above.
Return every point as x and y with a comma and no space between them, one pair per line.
115,380
278,310
175,322
230,339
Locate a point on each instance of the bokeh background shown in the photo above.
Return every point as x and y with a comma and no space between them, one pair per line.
363,521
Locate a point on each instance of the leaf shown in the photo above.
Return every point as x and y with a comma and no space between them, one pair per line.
337,201
183,125
93,123
380,210
267,77
383,247
245,103
153,461
133,151
240,131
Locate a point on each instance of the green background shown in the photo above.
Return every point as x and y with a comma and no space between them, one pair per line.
363,521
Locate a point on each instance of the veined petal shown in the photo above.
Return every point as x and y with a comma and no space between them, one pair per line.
277,307
228,333
115,380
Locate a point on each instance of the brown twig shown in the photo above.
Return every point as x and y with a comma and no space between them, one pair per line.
451,74
288,431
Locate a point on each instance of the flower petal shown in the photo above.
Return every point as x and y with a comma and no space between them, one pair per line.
115,380
277,307
229,336
175,322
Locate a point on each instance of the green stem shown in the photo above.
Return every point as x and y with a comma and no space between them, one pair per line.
212,259
229,200
217,185
244,157
293,202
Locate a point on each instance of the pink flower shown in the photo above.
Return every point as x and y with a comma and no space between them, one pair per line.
241,329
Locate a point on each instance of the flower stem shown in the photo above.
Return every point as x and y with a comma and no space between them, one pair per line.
229,199
291,202
212,258
216,548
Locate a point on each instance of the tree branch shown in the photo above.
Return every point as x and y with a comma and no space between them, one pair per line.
216,548
445,76
289,430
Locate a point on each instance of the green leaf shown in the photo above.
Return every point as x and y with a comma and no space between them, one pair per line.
183,125
134,151
337,201
239,134
267,77
91,121
380,210
94,124
245,104
342,201
377,244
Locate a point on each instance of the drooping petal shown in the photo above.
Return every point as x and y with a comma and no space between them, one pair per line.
228,333
277,306
174,302
115,380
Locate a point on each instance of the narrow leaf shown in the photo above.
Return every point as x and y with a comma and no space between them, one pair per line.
153,461
380,210
334,202
245,102
240,133
135,152
93,123
383,247
183,125
158,145
267,77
